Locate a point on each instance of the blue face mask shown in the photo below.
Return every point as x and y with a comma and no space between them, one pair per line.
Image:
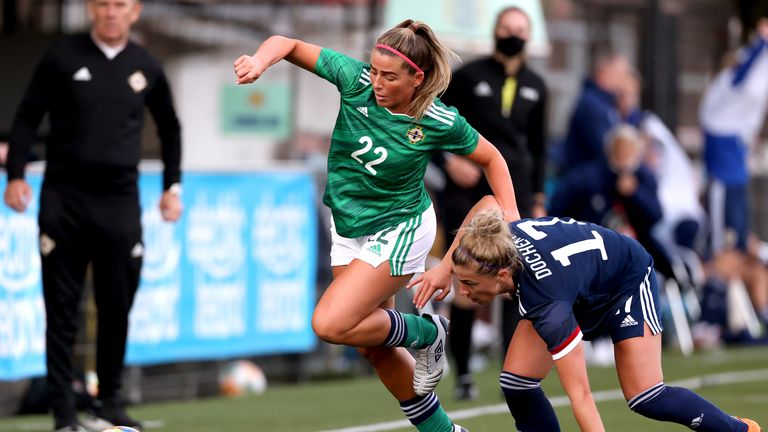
510,46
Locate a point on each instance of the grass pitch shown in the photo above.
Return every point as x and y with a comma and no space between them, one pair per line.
362,404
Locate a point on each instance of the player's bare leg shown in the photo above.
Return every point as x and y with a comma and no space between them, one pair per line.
638,364
527,353
349,311
354,311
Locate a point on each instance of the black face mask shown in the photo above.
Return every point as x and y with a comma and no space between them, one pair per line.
510,46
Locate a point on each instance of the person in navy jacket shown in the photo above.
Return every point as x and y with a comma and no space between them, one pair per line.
596,112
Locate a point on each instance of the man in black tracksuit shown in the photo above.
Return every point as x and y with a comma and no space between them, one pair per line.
506,102
94,87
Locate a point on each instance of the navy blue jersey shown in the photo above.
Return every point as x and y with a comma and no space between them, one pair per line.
573,275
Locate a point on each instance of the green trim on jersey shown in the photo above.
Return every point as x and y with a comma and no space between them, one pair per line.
377,159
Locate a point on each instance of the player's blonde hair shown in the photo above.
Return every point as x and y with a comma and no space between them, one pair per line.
418,42
487,245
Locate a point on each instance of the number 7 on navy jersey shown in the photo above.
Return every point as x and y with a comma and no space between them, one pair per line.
563,254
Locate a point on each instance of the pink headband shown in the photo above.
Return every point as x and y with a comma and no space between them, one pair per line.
401,55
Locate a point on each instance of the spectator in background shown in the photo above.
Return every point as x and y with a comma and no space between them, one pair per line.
94,86
596,111
616,191
732,113
506,102
683,218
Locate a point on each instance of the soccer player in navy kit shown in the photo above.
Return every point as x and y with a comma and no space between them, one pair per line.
383,224
575,281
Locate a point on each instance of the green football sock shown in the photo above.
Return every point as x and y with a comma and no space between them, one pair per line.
420,331
409,330
437,422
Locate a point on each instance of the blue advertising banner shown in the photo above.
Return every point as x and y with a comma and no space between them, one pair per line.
235,276
22,311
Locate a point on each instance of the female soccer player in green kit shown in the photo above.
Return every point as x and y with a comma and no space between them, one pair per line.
383,224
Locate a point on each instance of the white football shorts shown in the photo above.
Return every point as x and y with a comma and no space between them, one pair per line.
405,246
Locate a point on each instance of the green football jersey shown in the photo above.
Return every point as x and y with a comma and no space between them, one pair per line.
377,159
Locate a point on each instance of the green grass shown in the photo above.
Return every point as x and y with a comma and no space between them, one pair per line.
361,401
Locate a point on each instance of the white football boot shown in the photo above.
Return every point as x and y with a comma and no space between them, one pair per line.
430,361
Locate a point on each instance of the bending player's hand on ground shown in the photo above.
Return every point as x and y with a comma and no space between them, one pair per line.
427,284
248,69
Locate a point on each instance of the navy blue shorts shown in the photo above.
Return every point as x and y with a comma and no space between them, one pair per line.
628,314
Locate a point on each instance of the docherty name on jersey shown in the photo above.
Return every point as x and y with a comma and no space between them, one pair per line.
532,257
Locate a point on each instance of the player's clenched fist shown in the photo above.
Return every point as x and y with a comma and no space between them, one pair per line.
248,69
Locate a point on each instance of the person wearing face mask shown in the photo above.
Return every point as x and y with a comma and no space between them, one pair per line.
505,101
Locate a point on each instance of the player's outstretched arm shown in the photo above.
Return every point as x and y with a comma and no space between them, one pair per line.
497,173
572,369
249,68
439,278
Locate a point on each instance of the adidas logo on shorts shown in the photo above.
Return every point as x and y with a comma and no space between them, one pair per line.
375,248
628,322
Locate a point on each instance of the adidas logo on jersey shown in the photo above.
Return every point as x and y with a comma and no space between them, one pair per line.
375,248
628,322
363,110
82,74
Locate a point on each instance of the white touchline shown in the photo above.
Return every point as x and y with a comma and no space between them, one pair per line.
599,396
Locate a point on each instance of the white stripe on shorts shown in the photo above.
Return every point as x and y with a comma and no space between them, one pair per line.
648,305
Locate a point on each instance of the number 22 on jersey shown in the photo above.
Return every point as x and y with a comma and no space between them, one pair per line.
381,151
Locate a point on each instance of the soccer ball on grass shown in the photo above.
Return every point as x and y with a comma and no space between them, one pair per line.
242,377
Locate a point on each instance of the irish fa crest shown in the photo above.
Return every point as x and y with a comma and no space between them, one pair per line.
137,81
415,135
